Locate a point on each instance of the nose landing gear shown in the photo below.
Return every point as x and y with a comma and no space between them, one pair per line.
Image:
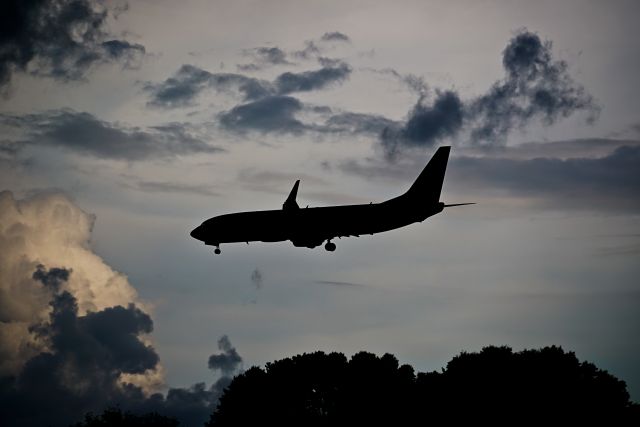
330,246
217,250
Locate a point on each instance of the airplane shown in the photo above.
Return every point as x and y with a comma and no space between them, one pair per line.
310,227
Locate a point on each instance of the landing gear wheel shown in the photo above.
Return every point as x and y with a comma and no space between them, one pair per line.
217,251
330,246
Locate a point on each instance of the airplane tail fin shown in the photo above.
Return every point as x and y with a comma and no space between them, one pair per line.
290,203
428,185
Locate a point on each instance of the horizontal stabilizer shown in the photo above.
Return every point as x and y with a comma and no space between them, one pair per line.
459,204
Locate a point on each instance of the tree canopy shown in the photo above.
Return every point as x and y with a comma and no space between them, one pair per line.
495,384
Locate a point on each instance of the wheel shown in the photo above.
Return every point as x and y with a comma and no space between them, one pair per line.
330,246
217,251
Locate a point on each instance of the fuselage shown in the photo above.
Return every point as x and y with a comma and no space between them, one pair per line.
310,227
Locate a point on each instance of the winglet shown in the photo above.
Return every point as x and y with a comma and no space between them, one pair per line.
290,203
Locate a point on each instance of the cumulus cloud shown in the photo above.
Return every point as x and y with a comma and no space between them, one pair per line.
62,39
73,333
85,134
45,240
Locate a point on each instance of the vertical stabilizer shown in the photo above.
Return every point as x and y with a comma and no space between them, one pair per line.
428,185
290,203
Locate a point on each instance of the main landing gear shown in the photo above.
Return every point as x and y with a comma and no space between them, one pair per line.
330,246
217,250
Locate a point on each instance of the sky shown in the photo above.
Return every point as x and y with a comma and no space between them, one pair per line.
125,126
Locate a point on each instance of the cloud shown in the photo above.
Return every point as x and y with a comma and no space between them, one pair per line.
264,57
74,337
608,183
335,36
173,187
182,89
310,50
535,86
269,56
229,361
67,317
85,134
189,81
413,82
311,80
256,278
359,123
269,114
53,279
426,123
44,242
61,39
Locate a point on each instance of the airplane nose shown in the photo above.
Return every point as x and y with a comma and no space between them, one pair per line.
196,233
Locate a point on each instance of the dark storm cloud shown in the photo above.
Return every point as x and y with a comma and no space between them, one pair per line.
62,39
270,114
181,89
610,183
601,184
85,134
335,36
81,368
571,148
53,278
229,361
535,86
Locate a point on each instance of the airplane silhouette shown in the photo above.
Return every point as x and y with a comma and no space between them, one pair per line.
310,227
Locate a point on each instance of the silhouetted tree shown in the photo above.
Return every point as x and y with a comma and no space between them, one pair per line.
114,417
497,385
